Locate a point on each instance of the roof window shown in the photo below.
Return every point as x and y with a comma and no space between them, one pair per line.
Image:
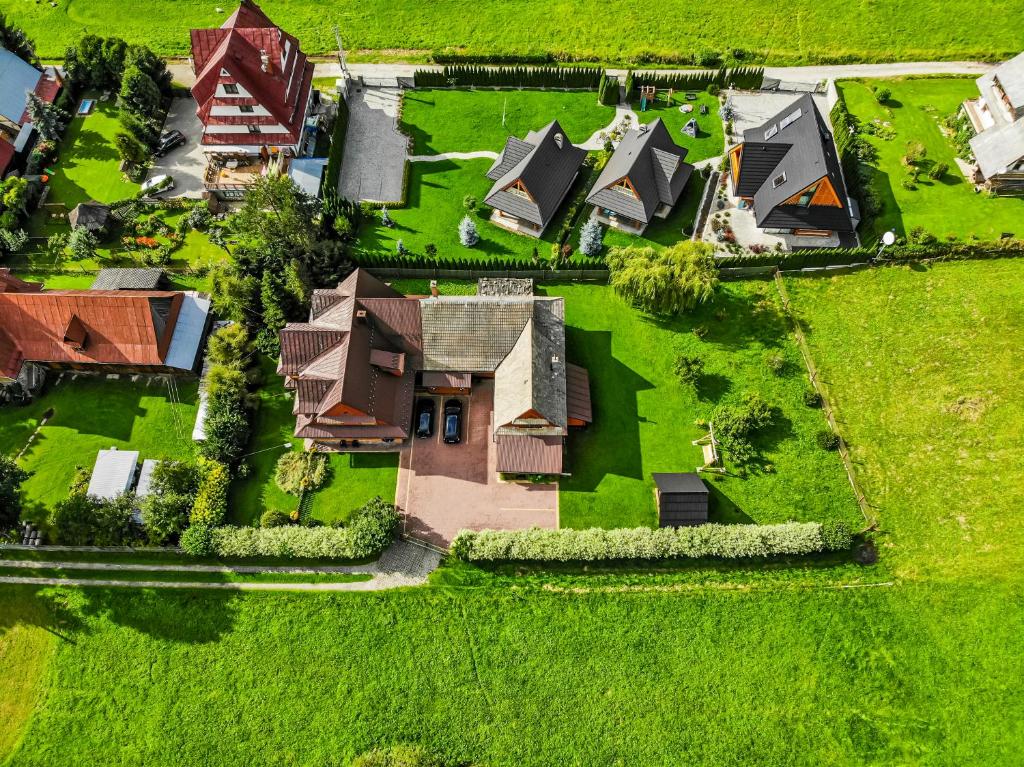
779,180
771,132
790,119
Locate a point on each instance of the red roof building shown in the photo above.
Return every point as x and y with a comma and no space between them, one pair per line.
141,331
253,85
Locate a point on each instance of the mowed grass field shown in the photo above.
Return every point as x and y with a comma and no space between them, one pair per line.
945,206
916,673
644,419
923,365
810,31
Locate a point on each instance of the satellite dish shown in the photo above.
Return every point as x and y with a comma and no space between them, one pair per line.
888,238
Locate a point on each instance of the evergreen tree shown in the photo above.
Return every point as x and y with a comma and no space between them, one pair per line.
468,234
139,93
143,59
274,313
130,149
82,243
11,477
48,119
14,39
590,238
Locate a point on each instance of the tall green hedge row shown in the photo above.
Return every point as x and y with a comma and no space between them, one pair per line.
748,78
337,150
821,257
698,542
462,75
418,261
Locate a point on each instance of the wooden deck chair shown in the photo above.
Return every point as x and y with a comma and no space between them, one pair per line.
709,447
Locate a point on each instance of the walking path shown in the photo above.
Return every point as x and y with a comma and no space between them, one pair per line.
622,112
483,154
403,564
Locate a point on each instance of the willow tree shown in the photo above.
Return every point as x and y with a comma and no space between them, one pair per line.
670,281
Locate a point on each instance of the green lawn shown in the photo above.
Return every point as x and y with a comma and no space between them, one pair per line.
922,673
812,32
91,414
948,206
435,208
924,367
710,139
354,479
468,121
644,419
87,167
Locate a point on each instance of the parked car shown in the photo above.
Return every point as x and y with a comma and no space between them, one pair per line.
169,139
151,187
453,422
424,418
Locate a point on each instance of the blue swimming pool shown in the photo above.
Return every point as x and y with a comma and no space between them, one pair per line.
86,106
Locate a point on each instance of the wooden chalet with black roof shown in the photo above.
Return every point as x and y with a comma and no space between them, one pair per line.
644,178
788,170
531,179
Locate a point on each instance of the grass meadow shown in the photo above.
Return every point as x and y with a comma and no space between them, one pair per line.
810,31
946,206
923,366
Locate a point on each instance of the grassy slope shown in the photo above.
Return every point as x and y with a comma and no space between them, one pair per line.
811,30
816,677
924,367
644,419
354,479
91,414
466,121
946,206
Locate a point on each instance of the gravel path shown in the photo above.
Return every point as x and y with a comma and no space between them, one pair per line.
403,564
481,155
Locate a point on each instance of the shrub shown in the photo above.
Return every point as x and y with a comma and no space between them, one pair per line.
430,250
300,472
775,362
688,369
229,346
676,279
590,238
812,398
735,425
468,234
828,440
916,152
882,95
81,520
938,170
274,518
197,540
226,426
836,535
11,477
908,184
211,502
82,243
596,544
469,202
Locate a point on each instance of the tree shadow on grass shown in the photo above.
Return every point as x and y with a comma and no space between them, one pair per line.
611,445
176,615
47,607
711,387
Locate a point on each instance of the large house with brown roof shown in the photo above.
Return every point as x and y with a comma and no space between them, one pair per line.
109,331
254,92
357,364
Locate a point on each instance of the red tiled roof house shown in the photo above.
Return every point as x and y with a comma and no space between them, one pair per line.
253,92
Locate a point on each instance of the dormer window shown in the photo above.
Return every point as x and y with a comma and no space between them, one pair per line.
246,109
623,186
231,89
779,180
519,190
75,334
806,196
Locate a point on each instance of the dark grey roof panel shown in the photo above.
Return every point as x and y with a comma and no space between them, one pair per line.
687,482
513,153
128,279
757,164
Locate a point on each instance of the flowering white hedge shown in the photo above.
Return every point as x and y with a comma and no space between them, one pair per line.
722,541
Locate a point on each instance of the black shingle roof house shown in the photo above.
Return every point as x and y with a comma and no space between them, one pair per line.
788,169
531,178
644,178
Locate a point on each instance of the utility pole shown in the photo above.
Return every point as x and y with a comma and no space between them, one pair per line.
345,76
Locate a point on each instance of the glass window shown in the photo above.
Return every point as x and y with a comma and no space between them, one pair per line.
231,88
245,109
779,180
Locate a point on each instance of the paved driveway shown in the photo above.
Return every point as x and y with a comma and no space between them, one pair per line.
446,488
186,163
375,151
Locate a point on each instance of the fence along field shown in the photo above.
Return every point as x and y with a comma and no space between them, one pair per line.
677,32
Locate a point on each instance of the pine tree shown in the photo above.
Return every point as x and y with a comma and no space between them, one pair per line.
82,243
139,93
590,238
468,234
48,119
385,219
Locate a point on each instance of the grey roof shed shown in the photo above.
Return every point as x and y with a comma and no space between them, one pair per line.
682,499
91,215
129,279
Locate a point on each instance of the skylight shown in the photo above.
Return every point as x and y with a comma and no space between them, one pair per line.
790,119
771,132
778,181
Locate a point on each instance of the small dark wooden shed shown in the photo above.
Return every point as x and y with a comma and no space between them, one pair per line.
682,499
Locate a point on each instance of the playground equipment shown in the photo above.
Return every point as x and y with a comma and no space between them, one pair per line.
647,95
691,128
709,447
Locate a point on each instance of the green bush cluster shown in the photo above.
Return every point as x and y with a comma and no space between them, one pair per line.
737,424
369,531
211,504
82,520
462,75
598,544
297,473
746,78
608,91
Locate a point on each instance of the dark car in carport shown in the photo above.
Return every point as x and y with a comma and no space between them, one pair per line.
453,422
424,418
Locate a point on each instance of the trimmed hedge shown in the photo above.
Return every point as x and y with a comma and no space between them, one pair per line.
337,151
417,261
461,75
821,257
369,531
698,542
746,78
608,91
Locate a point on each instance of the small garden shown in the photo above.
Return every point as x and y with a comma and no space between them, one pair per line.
912,181
710,139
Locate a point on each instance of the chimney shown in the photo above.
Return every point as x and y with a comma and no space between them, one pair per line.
264,60
361,315
559,140
434,292
554,362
